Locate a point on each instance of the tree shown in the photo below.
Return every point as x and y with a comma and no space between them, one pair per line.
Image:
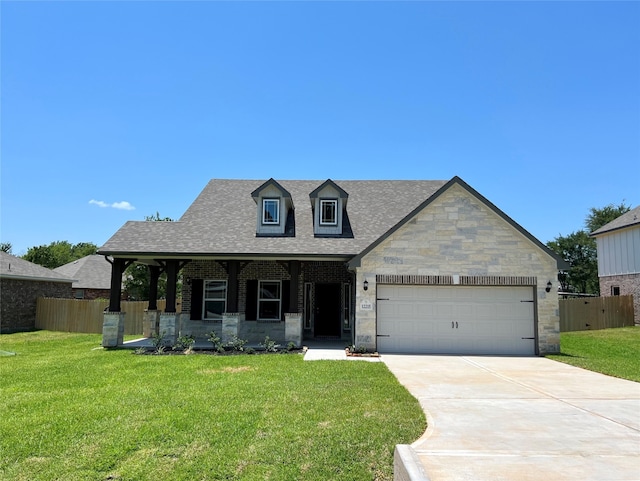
579,250
6,247
59,253
137,276
599,217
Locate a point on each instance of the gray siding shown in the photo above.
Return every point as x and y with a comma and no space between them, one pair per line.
619,252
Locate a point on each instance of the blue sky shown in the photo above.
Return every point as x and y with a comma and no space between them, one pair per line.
112,111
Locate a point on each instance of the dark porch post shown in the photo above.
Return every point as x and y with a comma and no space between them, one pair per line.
117,268
233,286
154,275
172,281
294,272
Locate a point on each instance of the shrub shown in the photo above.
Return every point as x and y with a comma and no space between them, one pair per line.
184,343
237,344
270,345
216,341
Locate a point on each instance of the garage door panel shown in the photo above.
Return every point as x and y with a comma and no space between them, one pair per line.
486,320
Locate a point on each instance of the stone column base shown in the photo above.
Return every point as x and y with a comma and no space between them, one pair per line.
293,328
230,325
150,323
168,327
113,329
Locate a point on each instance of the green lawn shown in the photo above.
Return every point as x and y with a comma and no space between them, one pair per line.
610,351
73,411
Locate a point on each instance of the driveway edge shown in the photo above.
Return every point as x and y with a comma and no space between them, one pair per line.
407,466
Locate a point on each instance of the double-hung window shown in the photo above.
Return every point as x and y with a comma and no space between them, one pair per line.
328,212
269,300
271,211
215,299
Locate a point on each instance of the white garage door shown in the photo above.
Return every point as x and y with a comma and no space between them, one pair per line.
455,320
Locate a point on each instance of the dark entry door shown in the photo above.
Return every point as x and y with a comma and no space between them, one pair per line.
327,309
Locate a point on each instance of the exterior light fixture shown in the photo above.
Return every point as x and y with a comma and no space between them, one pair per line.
549,286
365,286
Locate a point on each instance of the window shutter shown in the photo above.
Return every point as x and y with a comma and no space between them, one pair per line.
196,299
286,288
251,303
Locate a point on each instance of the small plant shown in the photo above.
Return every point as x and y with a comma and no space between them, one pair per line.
158,341
237,344
291,346
270,345
216,341
249,350
160,349
353,349
184,343
140,351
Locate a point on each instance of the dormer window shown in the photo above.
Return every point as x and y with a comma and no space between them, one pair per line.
271,211
275,212
328,212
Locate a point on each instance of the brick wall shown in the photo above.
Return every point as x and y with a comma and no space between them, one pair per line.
313,272
18,300
91,294
459,235
629,286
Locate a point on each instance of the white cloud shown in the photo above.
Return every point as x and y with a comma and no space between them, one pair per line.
99,203
124,205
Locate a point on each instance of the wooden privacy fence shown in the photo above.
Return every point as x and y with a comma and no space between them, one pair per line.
77,315
592,313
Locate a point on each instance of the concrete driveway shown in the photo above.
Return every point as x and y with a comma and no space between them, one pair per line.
530,418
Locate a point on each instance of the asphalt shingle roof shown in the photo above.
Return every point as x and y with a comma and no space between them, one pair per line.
15,267
90,272
222,220
625,220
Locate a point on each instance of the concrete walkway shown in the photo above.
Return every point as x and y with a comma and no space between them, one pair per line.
509,418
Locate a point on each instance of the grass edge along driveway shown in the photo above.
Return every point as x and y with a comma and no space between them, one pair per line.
73,412
615,352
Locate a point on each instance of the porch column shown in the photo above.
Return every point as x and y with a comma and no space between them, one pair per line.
232,286
117,268
154,275
294,272
172,281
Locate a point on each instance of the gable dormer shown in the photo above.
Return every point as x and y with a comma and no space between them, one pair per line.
275,210
329,206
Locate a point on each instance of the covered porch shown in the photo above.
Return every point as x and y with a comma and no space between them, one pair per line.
286,300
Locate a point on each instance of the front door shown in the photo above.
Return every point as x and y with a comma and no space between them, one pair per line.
327,310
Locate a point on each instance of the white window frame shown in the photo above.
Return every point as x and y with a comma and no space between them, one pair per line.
346,306
266,201
216,299
262,300
308,306
333,202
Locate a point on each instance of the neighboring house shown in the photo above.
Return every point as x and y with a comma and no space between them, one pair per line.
618,244
92,276
392,266
21,283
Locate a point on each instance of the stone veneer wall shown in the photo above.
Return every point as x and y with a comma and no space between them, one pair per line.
18,299
629,286
459,235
